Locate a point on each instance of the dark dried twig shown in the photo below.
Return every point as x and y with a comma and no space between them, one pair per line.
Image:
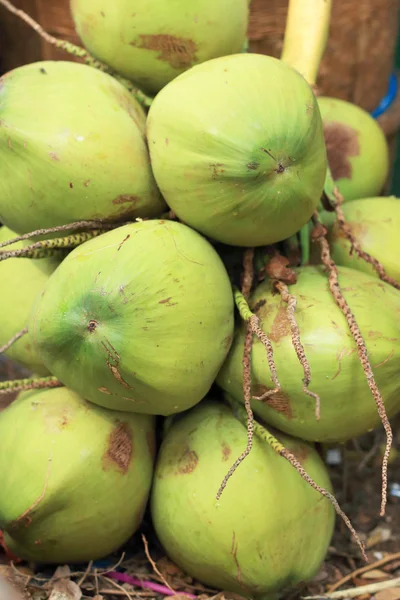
153,564
379,563
359,591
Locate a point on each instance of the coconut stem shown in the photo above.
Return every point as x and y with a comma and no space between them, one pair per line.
305,244
319,235
45,248
265,435
100,224
254,323
355,246
248,272
32,383
328,199
306,36
298,346
247,282
76,51
293,250
14,339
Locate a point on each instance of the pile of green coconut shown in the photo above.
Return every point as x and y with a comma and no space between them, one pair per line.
201,275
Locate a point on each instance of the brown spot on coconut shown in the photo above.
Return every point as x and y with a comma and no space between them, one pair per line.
67,498
178,52
278,508
120,448
226,451
126,199
187,462
152,46
341,144
357,148
279,401
280,326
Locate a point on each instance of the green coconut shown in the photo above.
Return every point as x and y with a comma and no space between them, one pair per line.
357,148
237,149
72,148
22,280
151,42
139,319
268,532
375,224
75,477
347,406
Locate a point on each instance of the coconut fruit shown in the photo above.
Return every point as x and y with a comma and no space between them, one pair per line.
347,406
151,42
375,224
75,477
237,149
22,280
269,531
139,318
72,148
357,148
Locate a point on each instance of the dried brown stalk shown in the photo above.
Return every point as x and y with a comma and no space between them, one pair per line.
298,346
248,272
319,235
153,564
379,563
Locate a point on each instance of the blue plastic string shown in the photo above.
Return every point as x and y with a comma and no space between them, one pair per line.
388,100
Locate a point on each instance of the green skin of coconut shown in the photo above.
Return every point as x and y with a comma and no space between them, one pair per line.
237,149
77,486
357,148
73,148
151,42
375,224
138,319
347,406
268,532
23,279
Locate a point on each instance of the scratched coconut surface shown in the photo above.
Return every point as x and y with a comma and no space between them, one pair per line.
355,473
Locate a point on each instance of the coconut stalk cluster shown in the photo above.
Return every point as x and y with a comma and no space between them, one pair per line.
193,245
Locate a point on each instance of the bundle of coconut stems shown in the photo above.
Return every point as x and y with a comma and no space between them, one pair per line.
202,279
